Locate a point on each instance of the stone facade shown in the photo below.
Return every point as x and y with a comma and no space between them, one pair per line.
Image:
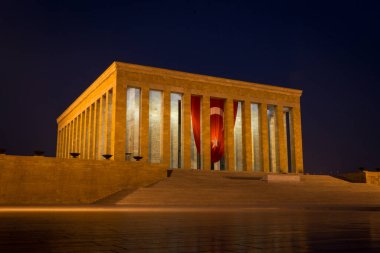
95,124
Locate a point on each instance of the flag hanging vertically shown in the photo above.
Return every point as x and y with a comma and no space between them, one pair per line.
196,120
217,129
216,125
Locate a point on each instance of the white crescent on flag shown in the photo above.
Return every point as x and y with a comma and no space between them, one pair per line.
216,111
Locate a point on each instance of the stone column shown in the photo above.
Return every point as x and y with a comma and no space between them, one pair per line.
106,119
72,142
93,130
297,140
75,134
100,128
264,136
64,142
120,119
229,144
111,123
165,140
205,133
58,149
77,145
69,139
186,116
89,132
59,153
144,124
247,135
83,137
282,147
110,106
80,133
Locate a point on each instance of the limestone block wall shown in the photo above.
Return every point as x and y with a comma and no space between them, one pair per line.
372,177
43,180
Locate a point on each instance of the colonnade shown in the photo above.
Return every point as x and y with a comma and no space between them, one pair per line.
266,163
94,132
89,132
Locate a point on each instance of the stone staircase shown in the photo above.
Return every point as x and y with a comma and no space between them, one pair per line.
192,188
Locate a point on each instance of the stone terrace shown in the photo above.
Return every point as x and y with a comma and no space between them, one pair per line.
191,188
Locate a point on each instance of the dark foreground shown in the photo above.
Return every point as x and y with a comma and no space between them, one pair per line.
261,230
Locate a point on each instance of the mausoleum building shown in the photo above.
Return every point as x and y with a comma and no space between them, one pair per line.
183,120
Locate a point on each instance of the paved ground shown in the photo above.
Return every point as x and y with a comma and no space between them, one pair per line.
200,212
264,230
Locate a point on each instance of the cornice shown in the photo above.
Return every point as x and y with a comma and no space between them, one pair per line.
205,79
109,71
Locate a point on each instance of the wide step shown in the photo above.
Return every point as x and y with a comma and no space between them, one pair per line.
213,188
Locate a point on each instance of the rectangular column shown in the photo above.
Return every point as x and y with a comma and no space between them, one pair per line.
186,104
91,133
101,128
68,139
119,123
96,132
166,129
81,135
71,138
144,124
57,151
282,152
229,143
205,133
87,130
109,122
64,141
264,136
247,135
105,118
75,135
297,139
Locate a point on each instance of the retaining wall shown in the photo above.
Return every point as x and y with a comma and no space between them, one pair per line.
48,180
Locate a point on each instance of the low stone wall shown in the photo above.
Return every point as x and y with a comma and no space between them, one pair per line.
354,177
48,180
372,177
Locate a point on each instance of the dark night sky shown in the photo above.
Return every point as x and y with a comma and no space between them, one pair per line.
51,51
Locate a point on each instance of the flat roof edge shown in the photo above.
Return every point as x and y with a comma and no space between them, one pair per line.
110,70
200,77
177,74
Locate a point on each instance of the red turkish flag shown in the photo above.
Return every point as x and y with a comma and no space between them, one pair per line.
217,129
